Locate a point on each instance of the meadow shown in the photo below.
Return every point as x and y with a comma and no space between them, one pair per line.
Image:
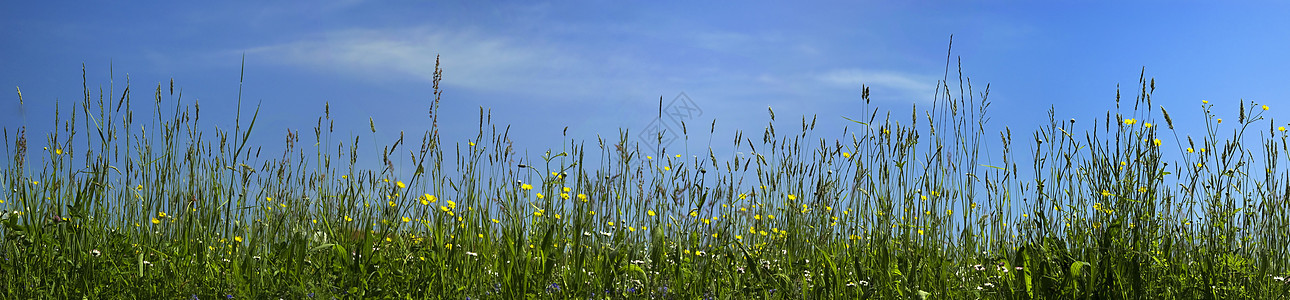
900,207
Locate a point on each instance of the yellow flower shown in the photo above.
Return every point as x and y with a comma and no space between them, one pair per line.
406,219
441,207
1220,120
400,184
428,198
582,197
757,217
537,213
564,196
60,151
155,221
392,204
140,187
1265,107
268,199
35,183
526,186
566,189
1190,151
1148,125
452,205
694,213
1106,193
348,219
495,221
540,196
1130,121
739,237
591,212
651,213
920,232
667,168
611,223
1281,128
771,217
283,205
792,197
472,144
678,156
846,154
387,180
1204,101
649,157
1156,142
237,239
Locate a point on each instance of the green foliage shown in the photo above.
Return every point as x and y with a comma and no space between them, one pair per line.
894,211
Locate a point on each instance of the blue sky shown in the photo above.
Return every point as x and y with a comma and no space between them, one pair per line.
596,66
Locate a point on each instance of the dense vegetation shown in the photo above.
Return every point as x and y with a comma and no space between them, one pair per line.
891,210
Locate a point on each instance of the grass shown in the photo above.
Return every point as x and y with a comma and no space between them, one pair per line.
891,210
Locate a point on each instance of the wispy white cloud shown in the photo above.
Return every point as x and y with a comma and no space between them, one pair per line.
470,58
905,84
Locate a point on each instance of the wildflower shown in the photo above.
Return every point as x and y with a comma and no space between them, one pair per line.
564,196
582,197
978,267
1265,107
1156,142
1130,121
770,217
155,221
537,213
1190,151
95,253
1204,101
1281,128
1106,193
147,263
1148,125
846,154
406,219
526,187
1220,120
495,221
540,196
472,253
651,213
792,197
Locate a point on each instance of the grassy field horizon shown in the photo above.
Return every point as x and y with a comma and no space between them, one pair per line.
899,207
